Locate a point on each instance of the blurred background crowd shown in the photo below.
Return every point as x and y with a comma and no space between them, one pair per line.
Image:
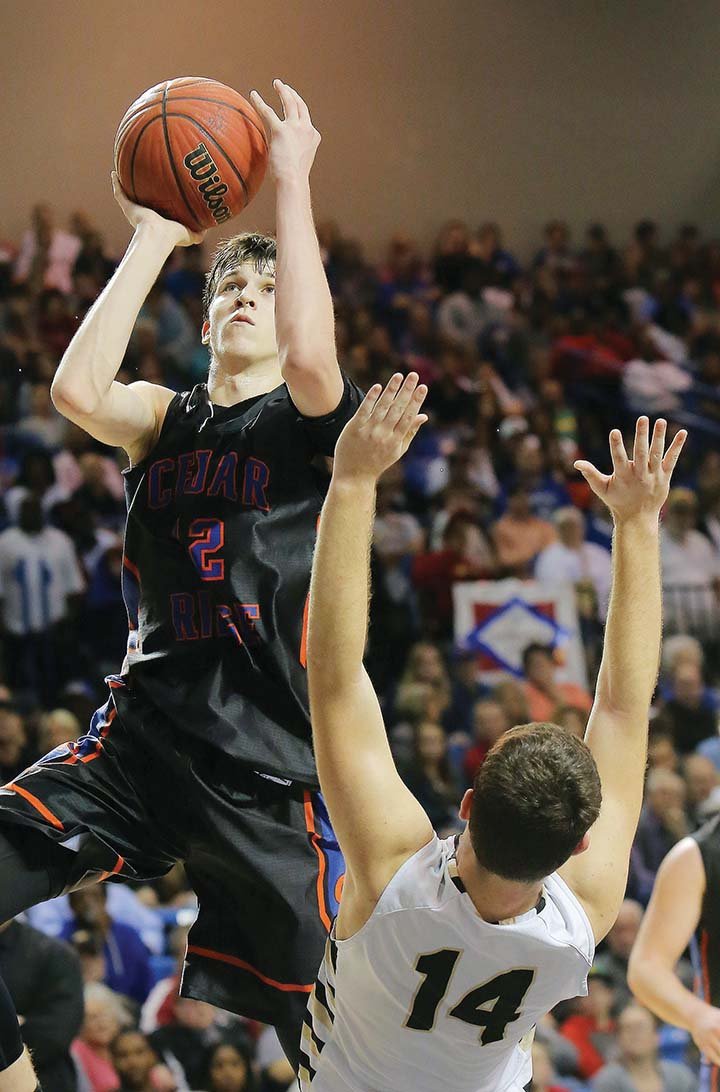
529,361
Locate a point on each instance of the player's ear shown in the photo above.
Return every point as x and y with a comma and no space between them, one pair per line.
466,805
205,333
582,845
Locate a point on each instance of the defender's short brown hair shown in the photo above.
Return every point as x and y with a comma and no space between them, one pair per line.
535,796
259,250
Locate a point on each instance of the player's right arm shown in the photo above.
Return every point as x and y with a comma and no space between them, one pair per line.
669,924
85,389
618,725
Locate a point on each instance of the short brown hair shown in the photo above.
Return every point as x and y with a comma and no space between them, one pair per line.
259,250
535,796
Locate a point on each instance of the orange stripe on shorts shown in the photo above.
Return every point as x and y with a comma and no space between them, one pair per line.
37,804
286,987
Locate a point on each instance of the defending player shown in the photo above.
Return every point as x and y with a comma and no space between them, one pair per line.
685,911
203,751
445,954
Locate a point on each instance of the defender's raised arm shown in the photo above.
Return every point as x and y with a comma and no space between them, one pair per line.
617,731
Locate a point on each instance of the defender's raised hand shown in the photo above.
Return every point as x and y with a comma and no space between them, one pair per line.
639,485
382,429
293,138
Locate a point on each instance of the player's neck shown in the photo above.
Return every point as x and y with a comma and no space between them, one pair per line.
233,380
494,898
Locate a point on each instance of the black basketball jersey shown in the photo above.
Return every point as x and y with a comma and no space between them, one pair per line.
706,945
222,517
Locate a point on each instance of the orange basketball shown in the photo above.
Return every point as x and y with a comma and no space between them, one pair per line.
193,150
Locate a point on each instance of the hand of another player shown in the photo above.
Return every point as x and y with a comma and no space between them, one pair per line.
381,431
176,234
293,138
706,1033
637,486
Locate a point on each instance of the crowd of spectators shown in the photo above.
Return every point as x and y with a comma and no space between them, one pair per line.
528,363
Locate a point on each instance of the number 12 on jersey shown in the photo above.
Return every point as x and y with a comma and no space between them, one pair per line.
506,990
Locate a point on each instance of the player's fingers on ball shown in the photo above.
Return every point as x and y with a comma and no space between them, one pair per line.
673,452
297,102
118,191
286,97
266,112
302,106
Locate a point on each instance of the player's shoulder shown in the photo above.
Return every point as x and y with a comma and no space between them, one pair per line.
685,867
421,880
155,394
566,917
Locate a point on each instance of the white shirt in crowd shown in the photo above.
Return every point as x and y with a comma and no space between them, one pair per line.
691,561
690,566
37,574
559,564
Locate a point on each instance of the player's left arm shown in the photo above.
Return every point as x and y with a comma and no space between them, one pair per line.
378,821
304,317
671,920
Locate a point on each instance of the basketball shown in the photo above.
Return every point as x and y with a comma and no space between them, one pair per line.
193,150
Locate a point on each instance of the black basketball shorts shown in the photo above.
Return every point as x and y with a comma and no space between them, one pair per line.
133,796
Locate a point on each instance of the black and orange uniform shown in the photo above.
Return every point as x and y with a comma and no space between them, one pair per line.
203,751
705,948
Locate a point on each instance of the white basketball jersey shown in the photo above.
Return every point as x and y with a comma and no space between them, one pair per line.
428,996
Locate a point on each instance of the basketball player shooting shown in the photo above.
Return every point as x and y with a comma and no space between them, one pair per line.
202,753
445,954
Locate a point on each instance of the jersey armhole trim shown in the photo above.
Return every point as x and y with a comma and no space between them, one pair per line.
377,911
172,405
572,897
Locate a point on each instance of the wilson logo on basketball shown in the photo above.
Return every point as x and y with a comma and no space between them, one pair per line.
203,169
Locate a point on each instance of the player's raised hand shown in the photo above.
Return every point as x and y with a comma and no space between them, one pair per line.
638,485
382,429
293,138
175,233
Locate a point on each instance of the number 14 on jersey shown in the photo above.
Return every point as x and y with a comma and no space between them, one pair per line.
507,991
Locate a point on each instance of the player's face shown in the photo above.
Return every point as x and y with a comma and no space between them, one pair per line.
240,328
